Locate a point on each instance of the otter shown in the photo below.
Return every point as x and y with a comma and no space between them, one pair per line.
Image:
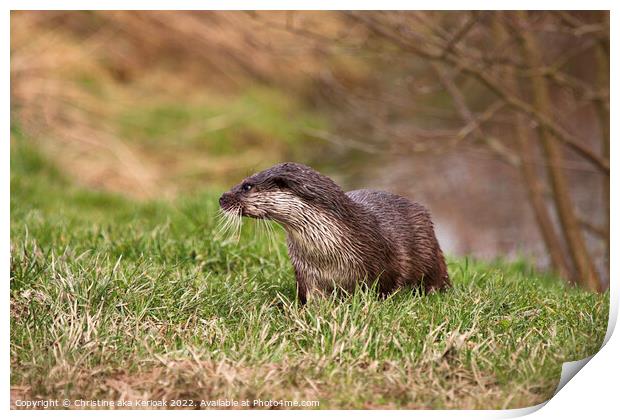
342,240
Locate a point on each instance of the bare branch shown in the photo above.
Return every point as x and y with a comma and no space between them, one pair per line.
341,141
598,231
474,123
460,34
511,99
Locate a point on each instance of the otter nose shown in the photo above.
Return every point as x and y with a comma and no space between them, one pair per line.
225,199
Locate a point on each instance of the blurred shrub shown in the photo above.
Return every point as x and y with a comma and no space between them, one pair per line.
150,103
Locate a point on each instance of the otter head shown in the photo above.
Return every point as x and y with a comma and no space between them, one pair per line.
286,193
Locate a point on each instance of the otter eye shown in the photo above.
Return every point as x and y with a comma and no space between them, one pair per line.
246,187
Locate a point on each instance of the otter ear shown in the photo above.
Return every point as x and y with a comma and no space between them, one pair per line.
280,182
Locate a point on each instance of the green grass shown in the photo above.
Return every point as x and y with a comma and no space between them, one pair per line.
259,119
113,298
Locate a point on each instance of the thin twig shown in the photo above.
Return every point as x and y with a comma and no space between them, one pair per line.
512,100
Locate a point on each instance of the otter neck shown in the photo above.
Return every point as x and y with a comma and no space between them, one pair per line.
332,234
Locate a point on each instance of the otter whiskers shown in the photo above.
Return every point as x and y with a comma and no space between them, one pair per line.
267,230
229,224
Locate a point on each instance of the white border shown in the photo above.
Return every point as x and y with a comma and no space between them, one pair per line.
313,5
593,393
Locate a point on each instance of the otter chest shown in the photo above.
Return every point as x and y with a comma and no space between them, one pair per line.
326,263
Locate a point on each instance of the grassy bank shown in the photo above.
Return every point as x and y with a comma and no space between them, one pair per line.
118,299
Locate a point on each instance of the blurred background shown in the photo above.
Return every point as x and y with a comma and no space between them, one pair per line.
496,121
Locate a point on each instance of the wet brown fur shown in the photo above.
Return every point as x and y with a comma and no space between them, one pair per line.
338,239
